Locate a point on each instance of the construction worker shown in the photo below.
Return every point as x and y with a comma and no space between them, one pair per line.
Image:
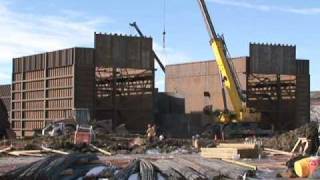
154,131
196,142
161,137
151,133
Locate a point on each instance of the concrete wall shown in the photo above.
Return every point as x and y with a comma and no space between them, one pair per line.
281,93
191,80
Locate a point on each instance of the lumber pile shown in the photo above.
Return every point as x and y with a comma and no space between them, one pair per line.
231,151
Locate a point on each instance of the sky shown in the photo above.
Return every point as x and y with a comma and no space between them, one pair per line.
34,26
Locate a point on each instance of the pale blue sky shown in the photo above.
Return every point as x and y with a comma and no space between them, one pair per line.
32,26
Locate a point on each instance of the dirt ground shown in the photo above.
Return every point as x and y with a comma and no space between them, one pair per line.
125,148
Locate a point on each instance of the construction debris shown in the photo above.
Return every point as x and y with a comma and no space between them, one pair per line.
75,166
287,141
121,130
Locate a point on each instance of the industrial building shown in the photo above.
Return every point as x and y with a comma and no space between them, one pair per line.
109,80
273,80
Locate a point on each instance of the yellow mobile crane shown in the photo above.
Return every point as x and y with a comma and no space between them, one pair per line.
229,78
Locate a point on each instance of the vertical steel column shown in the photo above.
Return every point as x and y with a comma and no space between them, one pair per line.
21,96
114,89
278,111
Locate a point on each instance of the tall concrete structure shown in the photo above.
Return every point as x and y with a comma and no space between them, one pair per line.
273,80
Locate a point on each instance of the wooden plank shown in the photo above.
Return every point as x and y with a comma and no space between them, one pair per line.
237,145
225,153
6,149
241,164
54,151
101,150
16,153
277,151
28,151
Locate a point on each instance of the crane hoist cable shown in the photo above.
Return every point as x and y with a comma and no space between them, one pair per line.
164,24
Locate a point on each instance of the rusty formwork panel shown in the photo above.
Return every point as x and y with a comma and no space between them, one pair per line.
43,87
119,51
302,67
282,97
124,80
272,59
303,92
191,80
5,96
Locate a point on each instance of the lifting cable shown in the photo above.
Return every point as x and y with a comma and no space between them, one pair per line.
164,25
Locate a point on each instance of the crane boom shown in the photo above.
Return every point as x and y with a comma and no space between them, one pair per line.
134,24
229,77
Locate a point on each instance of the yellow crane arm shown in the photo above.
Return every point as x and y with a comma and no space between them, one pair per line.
226,73
243,114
